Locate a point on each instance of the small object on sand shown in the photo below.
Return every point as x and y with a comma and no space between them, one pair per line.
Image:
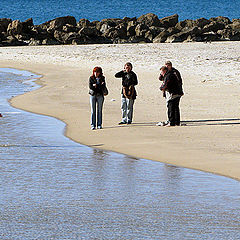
113,100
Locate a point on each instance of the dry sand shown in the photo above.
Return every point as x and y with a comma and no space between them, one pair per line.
210,139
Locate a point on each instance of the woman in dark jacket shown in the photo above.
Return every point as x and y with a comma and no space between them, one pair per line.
97,87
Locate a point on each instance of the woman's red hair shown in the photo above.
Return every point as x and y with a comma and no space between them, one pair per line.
97,69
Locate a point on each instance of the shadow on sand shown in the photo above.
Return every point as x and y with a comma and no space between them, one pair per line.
189,123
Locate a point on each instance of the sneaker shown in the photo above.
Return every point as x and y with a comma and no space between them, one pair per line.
122,123
162,123
99,127
129,122
93,128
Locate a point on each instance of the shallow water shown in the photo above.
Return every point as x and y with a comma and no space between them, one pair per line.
54,188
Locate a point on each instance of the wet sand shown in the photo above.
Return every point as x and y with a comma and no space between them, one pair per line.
209,139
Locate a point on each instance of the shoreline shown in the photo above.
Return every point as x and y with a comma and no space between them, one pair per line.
61,98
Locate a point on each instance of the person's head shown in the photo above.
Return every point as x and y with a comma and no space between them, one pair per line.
128,67
168,64
163,70
97,72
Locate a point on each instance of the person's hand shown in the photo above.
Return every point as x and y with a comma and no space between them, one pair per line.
95,85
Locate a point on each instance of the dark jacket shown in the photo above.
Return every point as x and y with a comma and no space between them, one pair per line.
98,90
128,79
171,84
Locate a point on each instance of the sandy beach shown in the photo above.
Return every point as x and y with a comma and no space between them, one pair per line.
209,139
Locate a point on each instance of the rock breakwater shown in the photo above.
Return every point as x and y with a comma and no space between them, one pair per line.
147,28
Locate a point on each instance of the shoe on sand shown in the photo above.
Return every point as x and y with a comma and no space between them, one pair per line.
162,123
122,123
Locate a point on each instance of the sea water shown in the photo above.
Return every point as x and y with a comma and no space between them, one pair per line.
54,188
44,10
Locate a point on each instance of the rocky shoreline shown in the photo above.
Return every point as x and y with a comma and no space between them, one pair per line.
147,28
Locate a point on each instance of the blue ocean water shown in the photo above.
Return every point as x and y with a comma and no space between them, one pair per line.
44,10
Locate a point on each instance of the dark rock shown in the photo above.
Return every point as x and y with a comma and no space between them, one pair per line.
131,28
4,22
169,21
89,31
34,42
185,24
49,41
127,19
162,36
14,28
39,33
120,41
235,24
213,27
201,22
104,27
136,39
149,20
115,33
110,22
221,19
12,41
141,30
69,28
210,36
193,38
58,23
83,23
27,25
183,35
65,38
229,34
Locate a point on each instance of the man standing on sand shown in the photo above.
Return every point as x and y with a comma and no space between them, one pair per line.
173,92
129,80
174,71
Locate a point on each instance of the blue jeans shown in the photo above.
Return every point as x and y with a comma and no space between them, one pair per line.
127,109
96,103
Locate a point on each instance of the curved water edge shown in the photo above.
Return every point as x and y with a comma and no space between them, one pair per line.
54,188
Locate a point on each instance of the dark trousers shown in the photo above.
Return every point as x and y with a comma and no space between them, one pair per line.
174,111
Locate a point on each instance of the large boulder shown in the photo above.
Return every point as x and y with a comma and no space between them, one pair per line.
201,22
183,35
220,19
149,20
12,41
229,34
153,32
141,30
69,28
89,31
169,21
163,35
111,22
210,36
213,27
235,24
83,23
15,28
4,22
58,23
39,33
131,28
185,24
27,25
